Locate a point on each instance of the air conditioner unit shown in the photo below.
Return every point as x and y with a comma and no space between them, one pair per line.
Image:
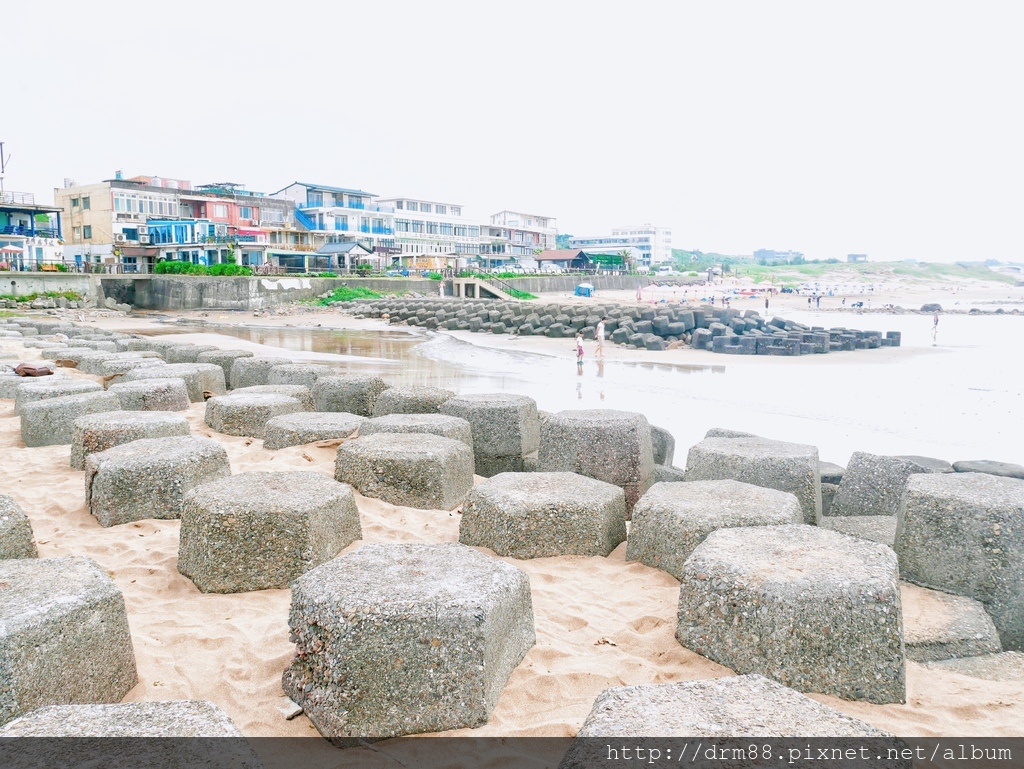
119,237
144,238
143,230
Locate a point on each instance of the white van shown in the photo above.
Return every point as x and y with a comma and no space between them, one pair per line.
551,269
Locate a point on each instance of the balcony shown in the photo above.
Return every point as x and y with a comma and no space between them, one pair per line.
17,198
40,232
343,226
381,230
350,205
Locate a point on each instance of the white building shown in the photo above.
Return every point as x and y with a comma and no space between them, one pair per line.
654,243
428,232
522,233
340,215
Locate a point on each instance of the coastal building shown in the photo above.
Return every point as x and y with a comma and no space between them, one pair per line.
432,235
769,256
855,258
31,235
342,215
653,244
515,233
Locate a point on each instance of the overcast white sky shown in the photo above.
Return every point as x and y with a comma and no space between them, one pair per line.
891,128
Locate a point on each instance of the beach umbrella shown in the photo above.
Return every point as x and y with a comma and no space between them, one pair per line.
10,250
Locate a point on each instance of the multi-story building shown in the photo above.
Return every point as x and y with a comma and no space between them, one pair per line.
521,233
429,234
341,215
653,243
30,234
770,256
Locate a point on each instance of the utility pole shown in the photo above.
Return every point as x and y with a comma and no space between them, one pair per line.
3,168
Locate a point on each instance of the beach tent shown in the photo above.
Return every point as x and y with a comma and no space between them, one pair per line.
585,289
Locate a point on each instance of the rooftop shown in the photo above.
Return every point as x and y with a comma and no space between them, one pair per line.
328,188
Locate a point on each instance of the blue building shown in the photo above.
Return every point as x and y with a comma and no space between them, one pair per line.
30,234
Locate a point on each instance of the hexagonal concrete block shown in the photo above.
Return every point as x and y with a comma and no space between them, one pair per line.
606,444
671,519
505,428
540,515
251,371
247,413
411,400
225,359
148,478
406,638
943,626
791,467
256,531
963,533
434,424
873,485
51,422
414,470
99,432
351,393
152,394
309,427
301,393
43,388
16,539
200,378
137,720
304,374
810,608
64,635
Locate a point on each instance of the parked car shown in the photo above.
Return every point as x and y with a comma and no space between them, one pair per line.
393,273
551,269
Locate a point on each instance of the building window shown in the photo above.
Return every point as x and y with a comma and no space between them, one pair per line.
398,204
75,202
87,232
85,203
413,206
440,210
456,211
245,212
78,232
220,211
425,208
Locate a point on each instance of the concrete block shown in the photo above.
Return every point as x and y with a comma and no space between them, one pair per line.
99,432
435,424
15,531
225,359
412,400
152,394
51,422
304,427
351,393
505,429
304,374
944,626
200,378
247,413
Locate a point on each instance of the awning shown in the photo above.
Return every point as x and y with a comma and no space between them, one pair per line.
243,231
137,251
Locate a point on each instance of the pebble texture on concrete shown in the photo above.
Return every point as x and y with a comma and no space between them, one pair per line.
301,393
152,394
540,515
51,422
873,485
247,413
249,371
200,378
304,374
64,635
148,478
397,639
99,432
257,531
434,424
810,608
15,531
671,519
411,400
178,718
505,428
351,393
308,427
43,388
224,359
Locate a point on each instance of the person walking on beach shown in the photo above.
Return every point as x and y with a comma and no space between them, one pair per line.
579,348
766,303
599,351
935,327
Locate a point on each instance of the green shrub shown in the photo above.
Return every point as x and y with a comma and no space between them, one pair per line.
434,276
230,270
326,275
347,293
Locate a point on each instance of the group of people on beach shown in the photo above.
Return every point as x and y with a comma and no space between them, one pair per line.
598,350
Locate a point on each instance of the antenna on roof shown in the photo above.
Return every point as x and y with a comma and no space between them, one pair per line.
3,166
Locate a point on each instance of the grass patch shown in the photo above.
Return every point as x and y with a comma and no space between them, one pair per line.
71,296
515,293
347,294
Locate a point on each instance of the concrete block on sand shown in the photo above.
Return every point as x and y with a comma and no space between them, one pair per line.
411,400
791,467
15,531
810,608
435,424
256,531
33,389
152,394
186,353
51,422
225,359
414,470
397,639
308,427
247,413
505,428
735,706
873,484
148,478
200,378
64,635
611,446
942,626
963,533
1004,469
540,515
671,519
179,718
250,371
352,393
107,363
99,432
877,528
304,374
663,446
1004,666
830,472
301,393
927,464
726,432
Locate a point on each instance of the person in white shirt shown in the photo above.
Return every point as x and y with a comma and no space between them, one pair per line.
599,352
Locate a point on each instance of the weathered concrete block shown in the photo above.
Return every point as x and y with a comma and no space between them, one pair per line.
404,639
152,394
224,359
415,470
200,378
877,528
943,626
666,474
308,427
725,432
830,472
540,515
15,531
51,422
257,531
304,374
671,519
810,608
962,533
927,464
247,413
250,371
505,429
148,478
611,446
873,484
64,635
99,432
301,393
435,424
186,353
351,393
34,389
736,706
791,467
411,400
1004,666
989,467
663,446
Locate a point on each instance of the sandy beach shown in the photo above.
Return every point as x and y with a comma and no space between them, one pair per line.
600,622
